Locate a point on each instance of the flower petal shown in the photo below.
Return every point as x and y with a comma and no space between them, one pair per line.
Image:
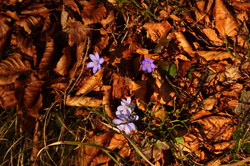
121,127
97,56
101,60
152,65
144,68
127,129
92,57
90,65
121,108
95,69
149,69
98,67
117,121
128,100
135,117
131,126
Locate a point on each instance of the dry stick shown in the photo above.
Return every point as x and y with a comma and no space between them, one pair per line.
37,135
239,163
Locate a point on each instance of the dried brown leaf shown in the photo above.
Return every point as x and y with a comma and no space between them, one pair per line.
87,153
35,8
139,89
106,101
47,58
91,82
8,2
33,97
165,94
184,43
80,101
212,35
64,62
209,103
24,45
4,30
225,22
11,68
30,23
7,97
156,31
90,7
101,159
215,55
119,84
117,141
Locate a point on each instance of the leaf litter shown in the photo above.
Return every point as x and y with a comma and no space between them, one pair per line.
183,64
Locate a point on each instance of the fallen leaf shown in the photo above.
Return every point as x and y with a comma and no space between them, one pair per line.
139,89
7,97
215,55
156,31
4,30
80,101
47,58
225,22
106,101
11,68
184,43
90,7
64,62
91,82
30,23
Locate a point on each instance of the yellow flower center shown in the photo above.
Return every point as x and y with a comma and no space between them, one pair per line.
95,62
147,64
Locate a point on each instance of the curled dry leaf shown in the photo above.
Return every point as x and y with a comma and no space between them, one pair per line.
30,23
80,101
4,30
90,7
225,22
207,131
117,141
35,8
215,55
87,153
119,84
91,82
8,2
64,62
11,68
184,43
7,97
106,101
163,92
76,30
212,35
156,31
24,45
47,58
101,159
139,89
209,103
32,97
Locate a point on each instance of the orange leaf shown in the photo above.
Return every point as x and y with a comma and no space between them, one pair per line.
64,62
90,7
156,31
80,101
11,68
47,58
7,97
91,82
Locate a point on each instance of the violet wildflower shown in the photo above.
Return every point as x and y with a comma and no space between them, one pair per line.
96,62
147,65
125,107
125,122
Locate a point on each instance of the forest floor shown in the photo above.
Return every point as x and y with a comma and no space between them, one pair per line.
125,82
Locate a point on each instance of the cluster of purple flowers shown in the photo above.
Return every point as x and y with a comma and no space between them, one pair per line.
147,64
125,117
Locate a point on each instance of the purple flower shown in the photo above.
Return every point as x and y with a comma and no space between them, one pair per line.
125,108
124,123
147,65
96,62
